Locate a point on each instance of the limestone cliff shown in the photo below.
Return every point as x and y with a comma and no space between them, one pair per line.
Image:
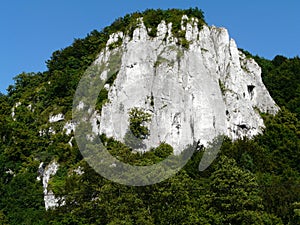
193,94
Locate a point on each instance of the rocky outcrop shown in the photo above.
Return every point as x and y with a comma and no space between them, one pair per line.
45,174
56,118
193,95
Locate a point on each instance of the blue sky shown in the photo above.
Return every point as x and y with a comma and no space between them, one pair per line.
32,29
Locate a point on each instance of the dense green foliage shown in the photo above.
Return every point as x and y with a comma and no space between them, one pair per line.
251,182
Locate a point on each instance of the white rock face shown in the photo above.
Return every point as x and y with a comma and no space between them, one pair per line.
13,110
45,174
30,108
69,127
49,198
79,170
56,118
192,94
95,121
114,38
80,105
10,172
51,130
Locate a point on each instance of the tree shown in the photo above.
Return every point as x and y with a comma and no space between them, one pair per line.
138,131
234,196
3,219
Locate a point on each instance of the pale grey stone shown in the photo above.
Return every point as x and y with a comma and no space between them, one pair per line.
210,89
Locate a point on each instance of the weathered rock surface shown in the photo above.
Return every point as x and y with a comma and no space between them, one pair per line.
192,94
56,118
49,198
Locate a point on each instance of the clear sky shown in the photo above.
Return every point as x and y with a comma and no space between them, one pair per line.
32,29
